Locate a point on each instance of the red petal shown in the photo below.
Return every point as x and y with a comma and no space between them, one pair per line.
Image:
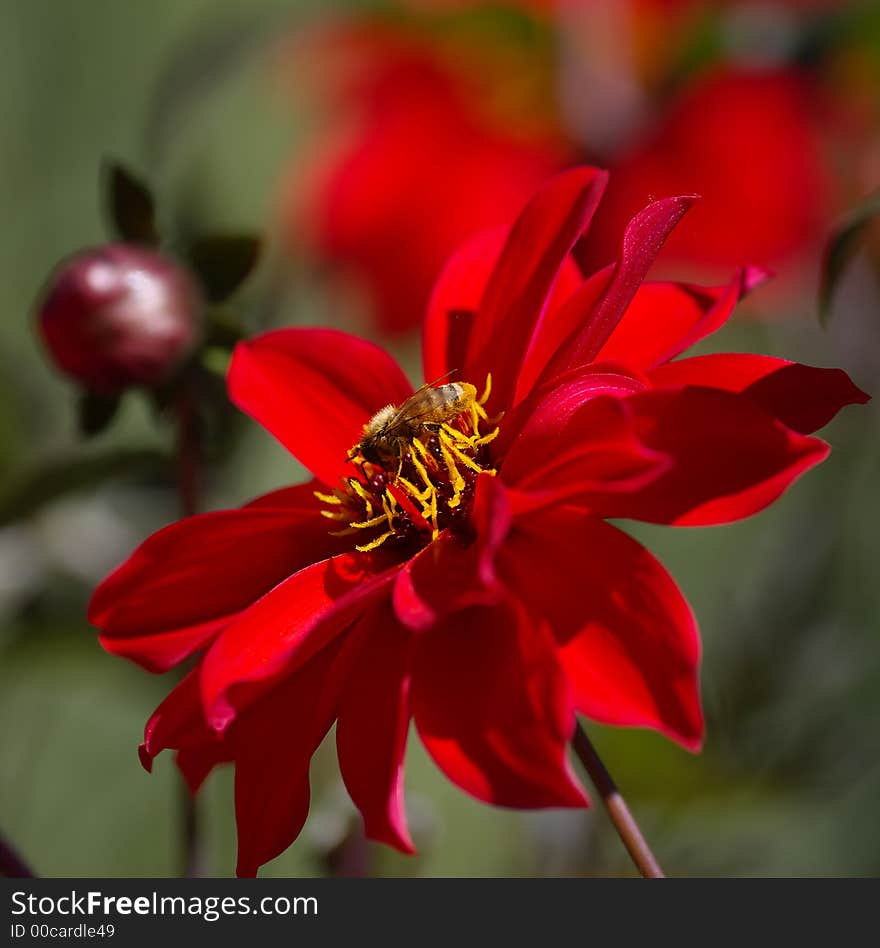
558,325
642,241
801,396
196,763
454,301
374,715
665,319
314,390
451,574
543,417
274,743
183,583
492,707
177,723
438,580
627,638
518,290
271,743
576,446
297,495
728,458
159,651
285,628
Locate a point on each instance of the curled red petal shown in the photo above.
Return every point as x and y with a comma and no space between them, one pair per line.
665,319
284,629
642,240
314,389
438,580
627,638
492,707
374,716
538,424
453,572
520,285
803,397
179,723
576,446
728,458
182,584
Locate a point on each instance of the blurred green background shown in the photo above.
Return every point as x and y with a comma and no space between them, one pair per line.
789,782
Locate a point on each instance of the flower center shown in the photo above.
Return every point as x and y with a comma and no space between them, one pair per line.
418,464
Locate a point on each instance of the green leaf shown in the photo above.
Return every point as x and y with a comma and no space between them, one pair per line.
96,411
222,332
223,262
840,248
130,206
33,489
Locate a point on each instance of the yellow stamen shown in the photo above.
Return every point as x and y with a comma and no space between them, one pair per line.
373,544
458,436
455,477
487,391
423,451
372,522
447,444
359,489
493,434
335,514
389,513
328,498
417,464
418,495
374,503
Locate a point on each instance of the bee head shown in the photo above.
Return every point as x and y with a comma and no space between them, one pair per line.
368,449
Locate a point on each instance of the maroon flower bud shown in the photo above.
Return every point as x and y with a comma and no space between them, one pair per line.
119,315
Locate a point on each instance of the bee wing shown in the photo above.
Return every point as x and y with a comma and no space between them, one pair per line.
439,378
413,409
416,407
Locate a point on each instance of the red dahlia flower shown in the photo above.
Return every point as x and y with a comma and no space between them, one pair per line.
451,561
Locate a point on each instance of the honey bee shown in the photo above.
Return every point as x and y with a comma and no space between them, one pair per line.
392,428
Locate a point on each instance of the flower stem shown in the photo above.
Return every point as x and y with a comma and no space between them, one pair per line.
623,820
188,481
12,866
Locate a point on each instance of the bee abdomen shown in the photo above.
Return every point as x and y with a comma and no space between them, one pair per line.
451,398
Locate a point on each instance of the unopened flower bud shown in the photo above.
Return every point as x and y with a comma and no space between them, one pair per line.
119,315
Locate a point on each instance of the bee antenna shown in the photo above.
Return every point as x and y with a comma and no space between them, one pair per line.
440,378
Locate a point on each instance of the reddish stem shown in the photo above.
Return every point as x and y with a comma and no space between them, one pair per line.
623,820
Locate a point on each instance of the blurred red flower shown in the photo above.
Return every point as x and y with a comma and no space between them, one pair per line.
471,581
412,167
434,137
748,142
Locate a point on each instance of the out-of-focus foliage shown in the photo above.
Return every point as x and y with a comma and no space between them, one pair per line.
843,244
788,603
